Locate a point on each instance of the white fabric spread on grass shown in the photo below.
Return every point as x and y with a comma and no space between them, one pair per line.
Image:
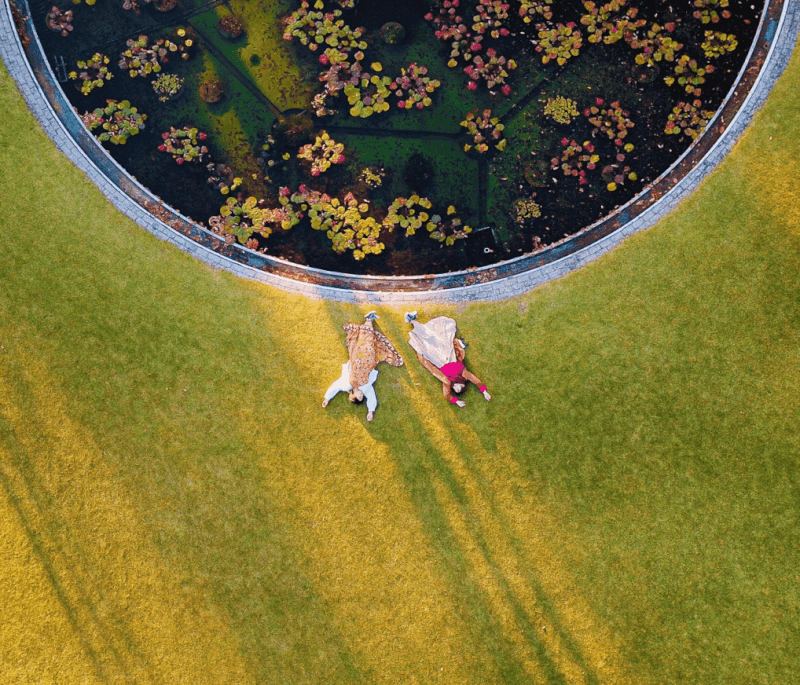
434,340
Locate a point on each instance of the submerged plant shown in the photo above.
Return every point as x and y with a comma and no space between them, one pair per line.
92,73
117,121
184,144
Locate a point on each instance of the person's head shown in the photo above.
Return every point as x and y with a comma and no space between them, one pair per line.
356,396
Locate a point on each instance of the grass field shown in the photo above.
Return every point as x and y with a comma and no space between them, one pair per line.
176,506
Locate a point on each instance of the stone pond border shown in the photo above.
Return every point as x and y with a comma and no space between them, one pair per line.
777,37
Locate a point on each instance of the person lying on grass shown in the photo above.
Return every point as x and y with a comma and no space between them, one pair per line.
439,351
366,348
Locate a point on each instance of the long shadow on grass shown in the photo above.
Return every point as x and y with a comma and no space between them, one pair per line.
431,463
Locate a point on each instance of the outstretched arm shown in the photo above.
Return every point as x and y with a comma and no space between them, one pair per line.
341,384
472,378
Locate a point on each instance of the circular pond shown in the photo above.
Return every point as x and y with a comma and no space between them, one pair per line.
397,138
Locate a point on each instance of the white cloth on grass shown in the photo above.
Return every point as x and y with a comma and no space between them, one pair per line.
342,384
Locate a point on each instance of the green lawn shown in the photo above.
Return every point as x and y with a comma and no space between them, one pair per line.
176,506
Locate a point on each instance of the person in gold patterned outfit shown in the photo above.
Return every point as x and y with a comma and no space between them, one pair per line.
366,348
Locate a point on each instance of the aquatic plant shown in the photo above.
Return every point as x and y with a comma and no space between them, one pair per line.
717,44
160,5
184,144
491,70
707,10
608,22
688,119
142,59
240,219
316,29
370,95
221,177
656,45
615,175
530,8
491,17
560,109
485,131
118,121
447,229
92,73
413,213
610,120
272,157
372,176
322,153
414,87
689,74
526,209
575,159
167,86
345,224
58,21
560,43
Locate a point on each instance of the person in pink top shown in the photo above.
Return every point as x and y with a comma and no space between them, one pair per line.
439,351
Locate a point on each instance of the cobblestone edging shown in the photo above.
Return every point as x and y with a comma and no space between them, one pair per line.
45,99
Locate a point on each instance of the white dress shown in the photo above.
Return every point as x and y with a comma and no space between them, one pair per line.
434,340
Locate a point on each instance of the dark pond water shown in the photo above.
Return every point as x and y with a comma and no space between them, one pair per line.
484,188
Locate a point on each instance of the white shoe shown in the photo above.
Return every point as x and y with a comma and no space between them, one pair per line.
371,316
410,316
